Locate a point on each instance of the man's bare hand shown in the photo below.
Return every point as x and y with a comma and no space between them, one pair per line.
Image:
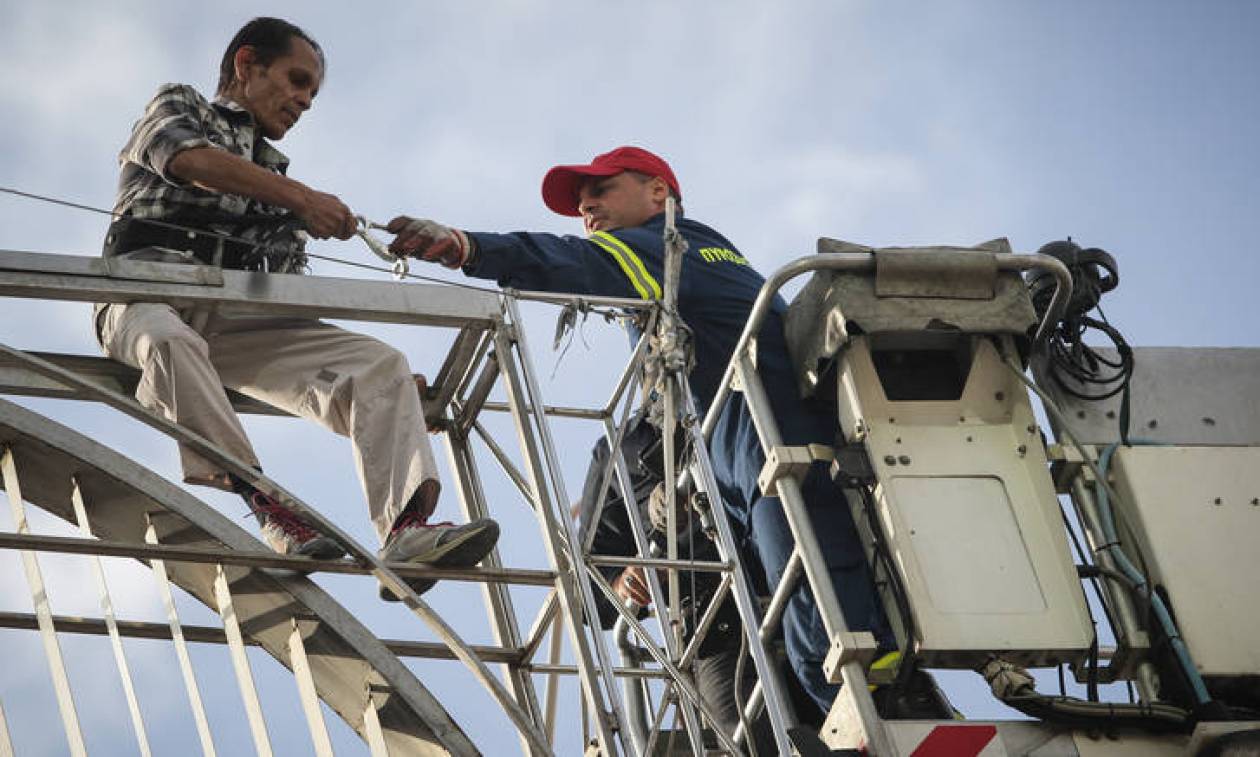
326,216
632,585
428,240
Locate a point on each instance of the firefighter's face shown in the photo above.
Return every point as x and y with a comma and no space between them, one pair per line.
621,201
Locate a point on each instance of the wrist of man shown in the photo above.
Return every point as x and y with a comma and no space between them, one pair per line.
293,195
473,257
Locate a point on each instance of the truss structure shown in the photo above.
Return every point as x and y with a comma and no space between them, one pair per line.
633,682
124,510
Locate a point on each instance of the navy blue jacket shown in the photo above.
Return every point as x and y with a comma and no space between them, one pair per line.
716,293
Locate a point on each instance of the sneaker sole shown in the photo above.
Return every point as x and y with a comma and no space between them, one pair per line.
322,548
463,552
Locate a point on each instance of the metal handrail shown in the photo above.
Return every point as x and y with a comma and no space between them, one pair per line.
863,261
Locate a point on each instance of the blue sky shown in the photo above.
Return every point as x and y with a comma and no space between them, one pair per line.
1127,125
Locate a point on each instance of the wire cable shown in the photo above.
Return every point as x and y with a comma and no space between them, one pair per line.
240,240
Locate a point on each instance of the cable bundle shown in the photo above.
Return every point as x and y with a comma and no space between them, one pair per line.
1093,377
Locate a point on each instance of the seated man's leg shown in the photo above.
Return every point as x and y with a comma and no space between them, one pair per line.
180,382
350,383
177,382
359,387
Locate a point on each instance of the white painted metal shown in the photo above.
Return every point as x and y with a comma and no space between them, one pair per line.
770,680
39,596
458,647
560,541
501,613
111,624
372,729
60,277
6,744
970,513
306,691
340,648
181,648
550,694
1178,395
1196,511
96,279
240,663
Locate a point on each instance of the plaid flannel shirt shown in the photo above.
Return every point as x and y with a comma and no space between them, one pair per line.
180,118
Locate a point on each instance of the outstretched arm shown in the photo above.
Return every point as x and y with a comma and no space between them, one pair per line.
601,265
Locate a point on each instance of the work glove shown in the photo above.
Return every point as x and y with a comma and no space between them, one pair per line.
428,240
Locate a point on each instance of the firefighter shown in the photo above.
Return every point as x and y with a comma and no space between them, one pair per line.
621,197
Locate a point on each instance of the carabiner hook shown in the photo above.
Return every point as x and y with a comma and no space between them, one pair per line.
398,265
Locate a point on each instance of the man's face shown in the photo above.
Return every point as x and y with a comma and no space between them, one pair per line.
279,93
621,201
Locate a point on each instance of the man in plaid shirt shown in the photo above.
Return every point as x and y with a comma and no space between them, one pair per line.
208,166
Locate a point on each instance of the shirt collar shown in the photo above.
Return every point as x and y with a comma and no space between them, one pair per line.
266,153
232,109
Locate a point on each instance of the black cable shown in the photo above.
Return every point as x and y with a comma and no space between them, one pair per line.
1076,368
1091,671
1091,675
744,722
900,596
1125,399
1075,713
1092,572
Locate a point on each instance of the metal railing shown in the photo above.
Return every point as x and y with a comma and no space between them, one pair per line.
489,350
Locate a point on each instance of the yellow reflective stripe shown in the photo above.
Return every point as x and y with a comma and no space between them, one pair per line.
889,661
884,670
646,277
643,271
625,267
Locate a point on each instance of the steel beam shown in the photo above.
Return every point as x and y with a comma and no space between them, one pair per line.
93,279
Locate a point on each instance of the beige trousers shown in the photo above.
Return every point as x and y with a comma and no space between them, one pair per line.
350,383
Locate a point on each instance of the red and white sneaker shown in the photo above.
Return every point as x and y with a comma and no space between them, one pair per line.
442,545
288,534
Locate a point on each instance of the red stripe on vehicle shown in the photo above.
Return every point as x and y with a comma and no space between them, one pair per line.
955,741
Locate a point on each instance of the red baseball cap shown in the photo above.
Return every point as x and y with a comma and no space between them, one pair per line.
561,184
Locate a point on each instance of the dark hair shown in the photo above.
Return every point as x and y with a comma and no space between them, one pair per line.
271,38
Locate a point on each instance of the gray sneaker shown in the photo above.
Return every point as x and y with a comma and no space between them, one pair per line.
441,545
289,534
